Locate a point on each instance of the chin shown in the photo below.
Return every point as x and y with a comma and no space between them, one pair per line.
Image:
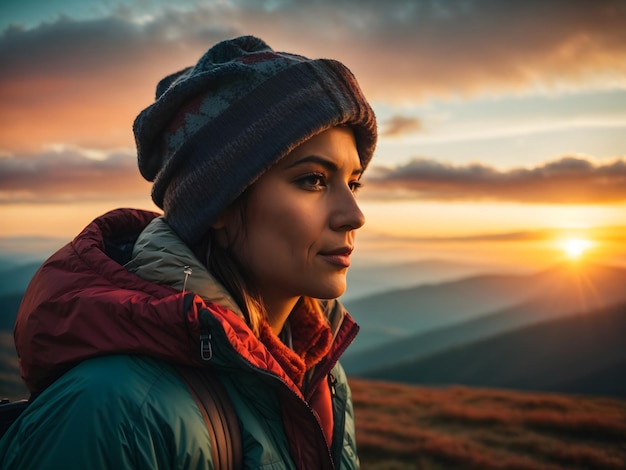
330,292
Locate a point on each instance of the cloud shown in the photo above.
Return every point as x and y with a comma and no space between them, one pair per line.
403,50
398,125
569,180
67,174
84,81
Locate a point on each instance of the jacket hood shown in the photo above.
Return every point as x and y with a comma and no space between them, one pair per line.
160,256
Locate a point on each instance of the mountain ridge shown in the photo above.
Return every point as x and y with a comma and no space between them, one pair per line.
566,355
429,307
523,314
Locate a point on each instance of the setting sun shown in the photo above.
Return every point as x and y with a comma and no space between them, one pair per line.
576,247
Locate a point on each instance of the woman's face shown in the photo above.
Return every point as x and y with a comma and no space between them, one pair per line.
300,220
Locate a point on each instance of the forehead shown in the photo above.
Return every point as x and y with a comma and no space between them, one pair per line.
336,144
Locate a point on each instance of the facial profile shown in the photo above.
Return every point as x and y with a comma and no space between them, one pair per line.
300,220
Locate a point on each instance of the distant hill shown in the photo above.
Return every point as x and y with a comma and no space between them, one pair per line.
13,282
20,257
607,381
393,316
25,250
15,278
582,353
367,280
545,306
9,304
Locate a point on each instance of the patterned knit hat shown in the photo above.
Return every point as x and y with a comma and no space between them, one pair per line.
216,127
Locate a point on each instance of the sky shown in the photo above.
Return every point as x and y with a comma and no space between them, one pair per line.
502,124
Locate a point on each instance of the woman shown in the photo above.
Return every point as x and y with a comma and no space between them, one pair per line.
255,157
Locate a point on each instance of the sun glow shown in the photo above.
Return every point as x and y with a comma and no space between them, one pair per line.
576,247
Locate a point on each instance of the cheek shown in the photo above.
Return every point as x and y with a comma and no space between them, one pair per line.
283,227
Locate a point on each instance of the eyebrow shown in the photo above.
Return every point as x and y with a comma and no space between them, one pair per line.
328,164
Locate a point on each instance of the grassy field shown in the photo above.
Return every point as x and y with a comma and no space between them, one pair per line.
410,427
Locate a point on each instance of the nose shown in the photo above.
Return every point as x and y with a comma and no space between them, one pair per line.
345,213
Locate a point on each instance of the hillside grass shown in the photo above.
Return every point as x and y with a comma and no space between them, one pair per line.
414,427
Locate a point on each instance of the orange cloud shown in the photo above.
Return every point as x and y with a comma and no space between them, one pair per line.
407,50
70,174
83,82
399,125
569,180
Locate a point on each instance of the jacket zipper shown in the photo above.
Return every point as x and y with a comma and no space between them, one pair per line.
330,362
206,336
206,349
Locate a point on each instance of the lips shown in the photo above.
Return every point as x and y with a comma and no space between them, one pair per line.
339,257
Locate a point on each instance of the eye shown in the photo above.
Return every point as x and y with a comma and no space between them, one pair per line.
355,186
313,181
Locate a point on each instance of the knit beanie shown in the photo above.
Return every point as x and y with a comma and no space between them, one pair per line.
214,128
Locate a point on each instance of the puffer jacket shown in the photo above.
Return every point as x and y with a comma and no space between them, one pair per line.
99,329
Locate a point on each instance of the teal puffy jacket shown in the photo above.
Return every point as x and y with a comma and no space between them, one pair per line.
100,341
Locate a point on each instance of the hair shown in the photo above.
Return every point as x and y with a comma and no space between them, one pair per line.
224,266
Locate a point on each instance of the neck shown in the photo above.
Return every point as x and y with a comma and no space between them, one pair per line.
278,310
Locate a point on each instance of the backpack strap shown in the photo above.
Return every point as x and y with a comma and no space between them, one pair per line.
219,416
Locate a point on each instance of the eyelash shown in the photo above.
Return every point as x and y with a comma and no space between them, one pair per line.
355,186
320,182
